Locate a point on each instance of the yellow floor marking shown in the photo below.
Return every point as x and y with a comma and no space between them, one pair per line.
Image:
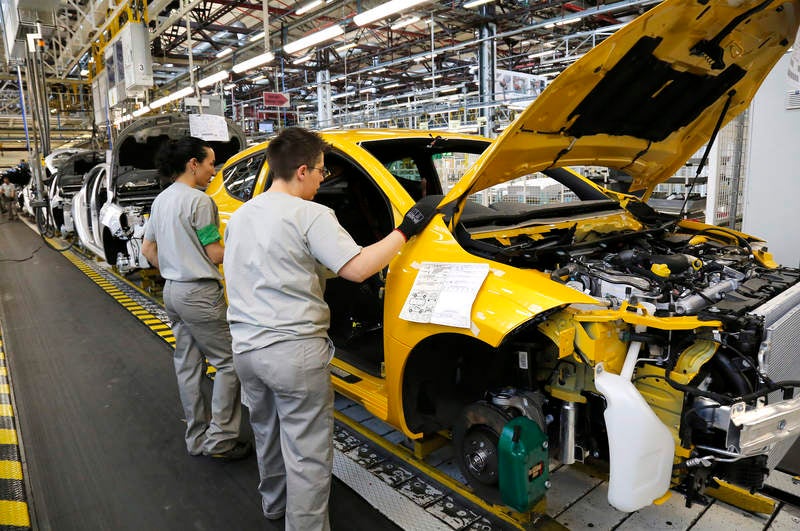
3,371
5,389
8,436
10,470
6,410
14,513
156,328
164,333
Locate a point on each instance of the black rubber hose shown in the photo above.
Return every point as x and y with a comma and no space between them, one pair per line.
731,374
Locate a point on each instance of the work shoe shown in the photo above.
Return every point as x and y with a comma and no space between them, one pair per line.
239,451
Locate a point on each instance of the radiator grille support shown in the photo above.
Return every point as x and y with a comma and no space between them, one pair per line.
779,353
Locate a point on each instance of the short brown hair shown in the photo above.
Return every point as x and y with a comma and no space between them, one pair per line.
292,148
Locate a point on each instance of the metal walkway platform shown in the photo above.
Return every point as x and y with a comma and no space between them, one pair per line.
371,458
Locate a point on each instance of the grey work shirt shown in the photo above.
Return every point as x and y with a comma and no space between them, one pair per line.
275,248
177,215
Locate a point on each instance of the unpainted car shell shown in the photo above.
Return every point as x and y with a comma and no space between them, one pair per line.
111,209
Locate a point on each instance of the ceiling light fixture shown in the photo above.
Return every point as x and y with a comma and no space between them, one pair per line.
160,102
475,3
308,7
541,54
304,59
562,22
229,86
256,61
391,86
384,10
403,22
315,38
257,36
344,47
181,93
212,79
223,53
137,113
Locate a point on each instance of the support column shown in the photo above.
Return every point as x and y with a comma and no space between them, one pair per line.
324,111
486,70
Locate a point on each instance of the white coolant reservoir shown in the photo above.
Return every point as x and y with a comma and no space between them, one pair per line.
641,447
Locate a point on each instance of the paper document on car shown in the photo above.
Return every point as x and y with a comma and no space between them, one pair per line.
443,293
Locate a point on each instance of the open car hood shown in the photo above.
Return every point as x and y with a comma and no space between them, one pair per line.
136,146
648,97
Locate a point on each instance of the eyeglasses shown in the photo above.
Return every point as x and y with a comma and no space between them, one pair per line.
325,171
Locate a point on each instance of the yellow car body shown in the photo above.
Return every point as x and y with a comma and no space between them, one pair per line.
650,341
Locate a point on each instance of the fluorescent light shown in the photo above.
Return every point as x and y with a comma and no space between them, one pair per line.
366,90
562,22
257,36
160,102
229,86
256,61
476,3
212,79
340,49
308,7
315,38
384,10
379,70
304,59
139,112
431,78
343,94
444,90
403,22
185,91
541,54
391,85
223,53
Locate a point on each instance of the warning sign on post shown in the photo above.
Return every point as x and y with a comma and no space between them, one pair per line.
275,99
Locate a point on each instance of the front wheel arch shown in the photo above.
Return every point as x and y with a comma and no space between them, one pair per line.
445,372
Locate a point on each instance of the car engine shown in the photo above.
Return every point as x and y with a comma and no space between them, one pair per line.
679,274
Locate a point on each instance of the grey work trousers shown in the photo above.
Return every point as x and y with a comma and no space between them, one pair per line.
287,389
197,310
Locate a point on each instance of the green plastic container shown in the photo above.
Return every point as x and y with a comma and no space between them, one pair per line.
524,464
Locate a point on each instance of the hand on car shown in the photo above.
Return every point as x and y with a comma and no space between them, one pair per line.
418,216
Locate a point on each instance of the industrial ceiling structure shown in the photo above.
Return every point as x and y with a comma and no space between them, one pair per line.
365,58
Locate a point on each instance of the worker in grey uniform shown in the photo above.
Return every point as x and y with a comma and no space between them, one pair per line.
182,239
279,248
